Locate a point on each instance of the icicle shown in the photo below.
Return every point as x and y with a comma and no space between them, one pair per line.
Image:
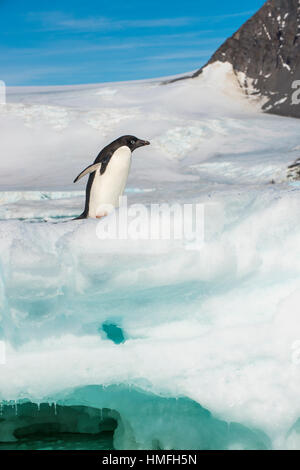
55,409
1,409
16,408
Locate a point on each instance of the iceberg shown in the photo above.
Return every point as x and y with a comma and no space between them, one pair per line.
156,344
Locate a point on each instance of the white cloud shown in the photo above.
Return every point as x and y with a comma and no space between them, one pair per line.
60,21
21,74
56,21
76,46
182,55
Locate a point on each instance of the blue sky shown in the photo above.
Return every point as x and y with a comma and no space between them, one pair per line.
62,42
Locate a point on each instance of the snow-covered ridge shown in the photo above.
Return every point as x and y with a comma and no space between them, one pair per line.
264,52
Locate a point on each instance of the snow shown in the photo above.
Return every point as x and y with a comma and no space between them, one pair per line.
285,65
267,32
216,325
282,100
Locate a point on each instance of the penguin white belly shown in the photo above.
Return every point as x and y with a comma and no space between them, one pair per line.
107,188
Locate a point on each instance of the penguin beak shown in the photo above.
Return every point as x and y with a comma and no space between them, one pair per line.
141,143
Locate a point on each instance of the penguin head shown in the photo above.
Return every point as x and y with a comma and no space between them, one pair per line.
132,142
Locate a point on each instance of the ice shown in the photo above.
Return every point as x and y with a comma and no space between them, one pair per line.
181,422
211,332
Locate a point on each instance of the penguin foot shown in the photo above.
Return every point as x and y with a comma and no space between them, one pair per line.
101,215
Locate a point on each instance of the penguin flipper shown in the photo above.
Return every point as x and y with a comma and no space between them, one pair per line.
89,169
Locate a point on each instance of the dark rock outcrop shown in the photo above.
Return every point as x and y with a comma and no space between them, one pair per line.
265,56
293,172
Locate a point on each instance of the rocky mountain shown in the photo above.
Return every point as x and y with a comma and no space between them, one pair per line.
265,56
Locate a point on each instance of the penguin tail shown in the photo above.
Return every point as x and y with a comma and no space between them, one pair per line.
81,216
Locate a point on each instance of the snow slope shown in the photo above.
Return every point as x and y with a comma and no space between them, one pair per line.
217,326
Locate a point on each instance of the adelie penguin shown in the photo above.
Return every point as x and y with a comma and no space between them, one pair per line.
108,176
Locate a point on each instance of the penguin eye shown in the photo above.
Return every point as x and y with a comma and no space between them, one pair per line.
132,142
